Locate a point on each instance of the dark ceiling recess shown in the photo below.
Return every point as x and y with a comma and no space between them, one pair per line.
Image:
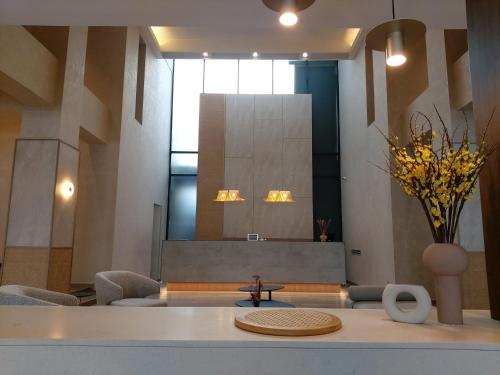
277,5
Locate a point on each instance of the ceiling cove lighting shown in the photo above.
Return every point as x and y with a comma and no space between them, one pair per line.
279,196
288,9
394,37
228,196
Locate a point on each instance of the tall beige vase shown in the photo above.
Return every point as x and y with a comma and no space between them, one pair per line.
447,262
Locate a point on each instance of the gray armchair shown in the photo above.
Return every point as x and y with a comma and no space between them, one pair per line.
26,295
125,288
370,297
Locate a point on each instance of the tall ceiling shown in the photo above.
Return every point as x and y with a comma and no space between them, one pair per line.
327,28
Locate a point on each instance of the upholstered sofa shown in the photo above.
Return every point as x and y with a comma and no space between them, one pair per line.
26,295
125,288
370,297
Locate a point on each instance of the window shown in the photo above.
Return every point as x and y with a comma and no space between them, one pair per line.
256,77
139,90
184,163
182,208
188,84
283,77
191,78
221,77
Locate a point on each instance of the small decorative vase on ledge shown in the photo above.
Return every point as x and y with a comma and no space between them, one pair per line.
323,237
447,262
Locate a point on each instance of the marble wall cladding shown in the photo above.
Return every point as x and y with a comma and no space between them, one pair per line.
269,106
239,127
268,146
238,216
297,110
32,197
26,266
268,156
297,166
64,208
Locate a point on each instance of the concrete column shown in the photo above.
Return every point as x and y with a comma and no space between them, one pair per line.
40,228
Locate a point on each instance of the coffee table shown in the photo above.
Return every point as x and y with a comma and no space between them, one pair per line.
265,288
264,303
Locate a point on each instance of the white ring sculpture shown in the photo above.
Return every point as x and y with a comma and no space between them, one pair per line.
418,314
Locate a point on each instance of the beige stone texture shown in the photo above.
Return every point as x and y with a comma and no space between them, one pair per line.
28,70
26,266
10,123
59,274
33,181
210,214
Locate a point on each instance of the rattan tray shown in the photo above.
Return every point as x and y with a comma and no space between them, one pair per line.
288,322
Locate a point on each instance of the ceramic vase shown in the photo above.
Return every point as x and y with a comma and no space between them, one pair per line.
323,237
447,262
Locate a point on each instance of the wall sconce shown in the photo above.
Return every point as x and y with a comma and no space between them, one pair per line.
279,196
67,189
228,196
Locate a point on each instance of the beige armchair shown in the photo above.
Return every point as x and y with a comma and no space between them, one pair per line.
125,288
26,295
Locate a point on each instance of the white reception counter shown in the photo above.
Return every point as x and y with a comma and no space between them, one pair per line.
191,341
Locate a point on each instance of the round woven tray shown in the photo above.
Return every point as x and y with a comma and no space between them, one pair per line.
288,322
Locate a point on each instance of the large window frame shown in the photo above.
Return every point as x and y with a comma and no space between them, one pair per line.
274,90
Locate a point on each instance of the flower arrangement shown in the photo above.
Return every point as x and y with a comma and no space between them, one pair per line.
442,178
323,227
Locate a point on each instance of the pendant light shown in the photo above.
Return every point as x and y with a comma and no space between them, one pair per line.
394,37
288,9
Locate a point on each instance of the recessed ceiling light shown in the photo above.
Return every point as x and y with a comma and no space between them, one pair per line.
305,55
205,54
255,55
288,19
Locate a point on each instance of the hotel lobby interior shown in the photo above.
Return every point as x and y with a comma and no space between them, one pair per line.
233,187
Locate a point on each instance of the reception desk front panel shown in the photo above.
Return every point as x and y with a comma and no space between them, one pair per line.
237,261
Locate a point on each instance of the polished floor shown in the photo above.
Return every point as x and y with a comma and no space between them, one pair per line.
223,299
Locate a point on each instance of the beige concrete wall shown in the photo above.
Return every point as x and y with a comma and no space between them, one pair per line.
95,215
366,191
210,214
143,160
10,124
28,70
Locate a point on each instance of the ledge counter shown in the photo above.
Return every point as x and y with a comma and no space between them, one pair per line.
236,261
191,341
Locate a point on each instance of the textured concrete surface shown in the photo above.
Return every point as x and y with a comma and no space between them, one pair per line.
237,261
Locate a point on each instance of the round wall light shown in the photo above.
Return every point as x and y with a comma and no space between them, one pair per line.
67,189
255,55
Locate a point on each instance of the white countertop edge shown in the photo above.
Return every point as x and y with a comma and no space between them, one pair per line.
286,344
